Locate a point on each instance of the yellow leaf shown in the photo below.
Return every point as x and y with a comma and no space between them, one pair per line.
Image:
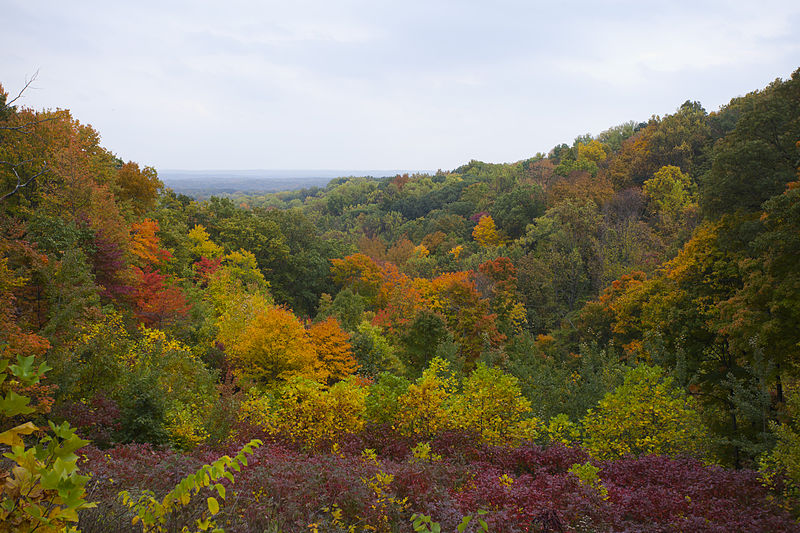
12,436
213,505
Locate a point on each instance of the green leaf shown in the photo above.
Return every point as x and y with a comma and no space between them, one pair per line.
13,404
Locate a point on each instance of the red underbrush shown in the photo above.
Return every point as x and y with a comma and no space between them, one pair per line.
527,488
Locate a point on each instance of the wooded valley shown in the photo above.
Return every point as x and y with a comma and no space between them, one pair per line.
602,337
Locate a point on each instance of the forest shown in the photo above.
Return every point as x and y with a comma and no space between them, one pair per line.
603,337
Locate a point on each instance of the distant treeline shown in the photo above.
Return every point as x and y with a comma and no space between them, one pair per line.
202,188
202,184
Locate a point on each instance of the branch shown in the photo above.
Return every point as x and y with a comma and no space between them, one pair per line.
27,125
24,88
8,105
20,183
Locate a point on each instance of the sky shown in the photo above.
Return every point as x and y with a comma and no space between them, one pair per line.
418,85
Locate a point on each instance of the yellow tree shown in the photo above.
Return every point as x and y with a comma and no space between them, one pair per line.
308,412
359,273
424,409
485,232
202,245
491,403
138,187
592,151
273,345
647,414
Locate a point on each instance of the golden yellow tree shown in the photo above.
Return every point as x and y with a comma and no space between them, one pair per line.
202,245
308,412
272,346
359,273
485,232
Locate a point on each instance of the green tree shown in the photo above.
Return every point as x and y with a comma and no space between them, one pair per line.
784,458
669,189
759,157
515,209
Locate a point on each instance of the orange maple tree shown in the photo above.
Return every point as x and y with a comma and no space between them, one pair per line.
334,351
146,245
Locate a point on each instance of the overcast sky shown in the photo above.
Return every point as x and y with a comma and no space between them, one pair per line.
381,85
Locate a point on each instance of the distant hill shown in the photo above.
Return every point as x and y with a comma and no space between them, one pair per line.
201,184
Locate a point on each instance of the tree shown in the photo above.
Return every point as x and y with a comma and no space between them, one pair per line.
157,301
421,339
73,296
382,405
681,139
423,410
375,354
669,189
671,194
146,245
645,415
23,168
137,187
109,266
309,413
333,349
511,314
202,245
455,297
761,317
492,405
16,339
272,346
485,232
347,308
784,459
592,151
759,157
359,273
515,209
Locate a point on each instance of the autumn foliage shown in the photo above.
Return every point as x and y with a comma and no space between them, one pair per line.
602,337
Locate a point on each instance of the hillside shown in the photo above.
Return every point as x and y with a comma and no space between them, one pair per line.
602,337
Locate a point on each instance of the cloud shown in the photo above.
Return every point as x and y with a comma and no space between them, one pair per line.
425,84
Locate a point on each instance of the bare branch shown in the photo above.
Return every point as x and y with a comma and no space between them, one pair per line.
25,128
24,88
20,183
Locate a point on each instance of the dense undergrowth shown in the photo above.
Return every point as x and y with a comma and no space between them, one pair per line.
522,488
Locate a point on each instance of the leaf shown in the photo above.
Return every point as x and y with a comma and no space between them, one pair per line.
13,404
12,436
213,505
